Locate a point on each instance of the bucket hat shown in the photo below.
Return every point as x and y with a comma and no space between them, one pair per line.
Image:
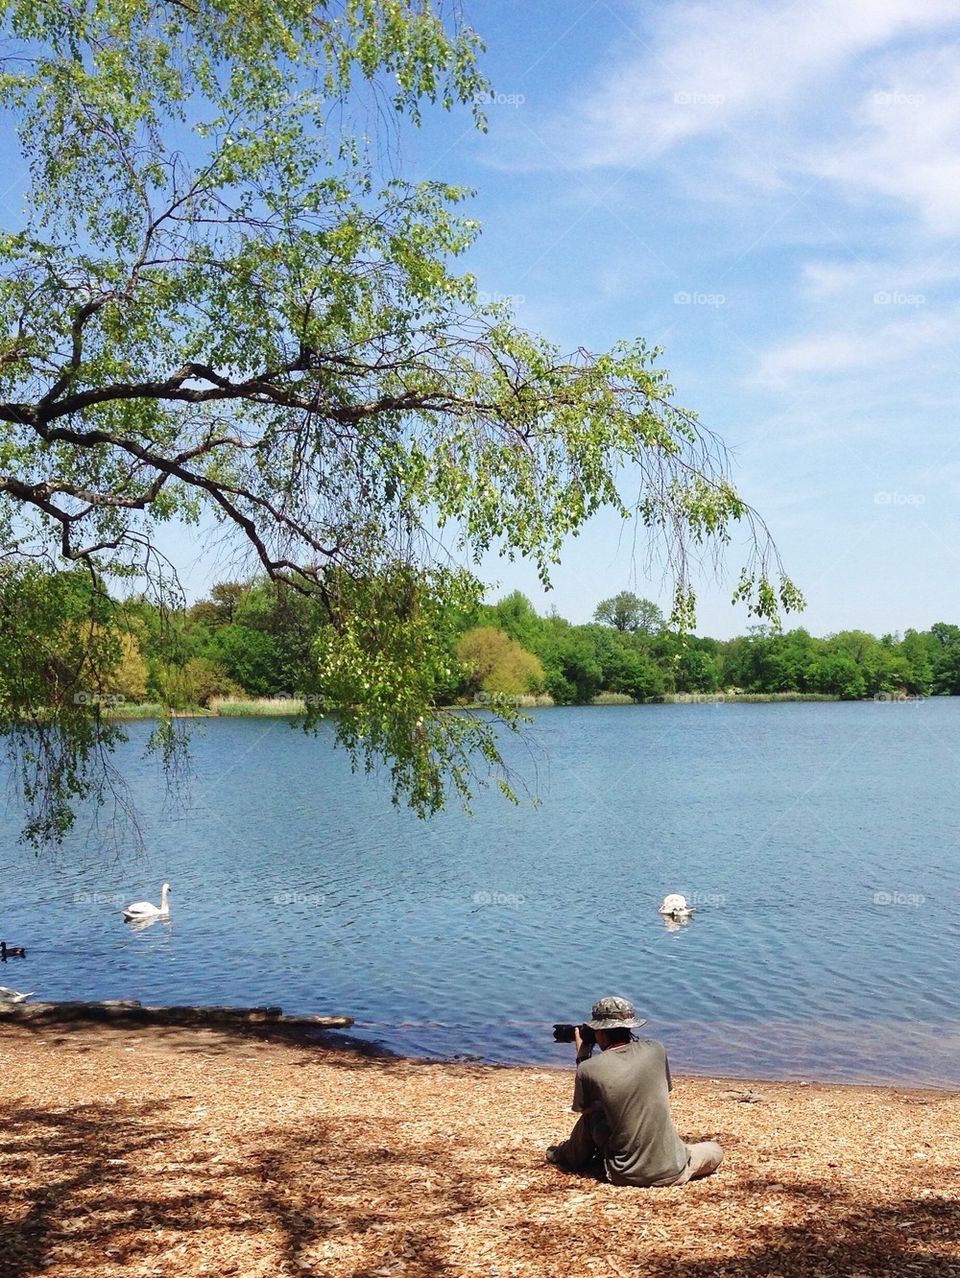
614,1013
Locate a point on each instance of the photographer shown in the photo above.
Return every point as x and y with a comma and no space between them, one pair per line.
622,1097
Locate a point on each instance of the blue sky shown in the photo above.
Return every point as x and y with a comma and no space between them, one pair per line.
770,191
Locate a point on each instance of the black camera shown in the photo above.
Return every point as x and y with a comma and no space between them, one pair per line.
564,1034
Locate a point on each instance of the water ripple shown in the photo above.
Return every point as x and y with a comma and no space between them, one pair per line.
818,841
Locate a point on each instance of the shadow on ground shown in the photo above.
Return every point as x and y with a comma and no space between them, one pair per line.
225,1040
400,1167
92,1187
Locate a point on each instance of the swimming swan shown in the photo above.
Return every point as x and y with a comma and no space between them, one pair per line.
11,951
144,910
675,907
12,996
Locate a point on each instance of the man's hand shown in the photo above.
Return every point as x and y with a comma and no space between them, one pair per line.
584,1048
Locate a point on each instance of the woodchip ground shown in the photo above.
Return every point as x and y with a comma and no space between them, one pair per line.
201,1152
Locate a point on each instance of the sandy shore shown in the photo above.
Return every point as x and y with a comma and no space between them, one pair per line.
187,1152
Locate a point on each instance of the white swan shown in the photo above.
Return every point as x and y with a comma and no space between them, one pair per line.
144,910
675,906
12,996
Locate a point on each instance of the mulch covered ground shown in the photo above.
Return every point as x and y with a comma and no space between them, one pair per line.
187,1152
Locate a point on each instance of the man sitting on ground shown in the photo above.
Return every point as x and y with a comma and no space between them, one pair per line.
622,1097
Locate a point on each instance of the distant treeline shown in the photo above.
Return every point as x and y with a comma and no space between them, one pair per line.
254,640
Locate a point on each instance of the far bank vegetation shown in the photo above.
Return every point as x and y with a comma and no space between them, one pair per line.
248,649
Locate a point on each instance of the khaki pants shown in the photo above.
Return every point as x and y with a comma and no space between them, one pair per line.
584,1150
704,1157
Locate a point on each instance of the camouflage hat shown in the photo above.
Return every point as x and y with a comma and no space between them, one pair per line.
614,1013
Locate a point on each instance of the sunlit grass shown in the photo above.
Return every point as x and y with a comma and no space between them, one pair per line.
256,707
280,707
150,710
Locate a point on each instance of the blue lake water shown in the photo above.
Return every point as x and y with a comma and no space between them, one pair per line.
821,841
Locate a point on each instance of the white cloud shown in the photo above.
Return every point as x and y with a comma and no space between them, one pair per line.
706,68
864,346
904,145
856,281
828,279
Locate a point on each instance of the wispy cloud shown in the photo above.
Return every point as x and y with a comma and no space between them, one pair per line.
802,159
703,69
822,279
904,145
859,101
862,346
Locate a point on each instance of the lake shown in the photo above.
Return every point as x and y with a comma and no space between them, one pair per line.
821,843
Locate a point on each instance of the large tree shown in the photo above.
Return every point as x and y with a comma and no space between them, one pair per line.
626,611
216,309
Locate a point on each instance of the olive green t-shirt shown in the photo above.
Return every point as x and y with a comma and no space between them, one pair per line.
631,1086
